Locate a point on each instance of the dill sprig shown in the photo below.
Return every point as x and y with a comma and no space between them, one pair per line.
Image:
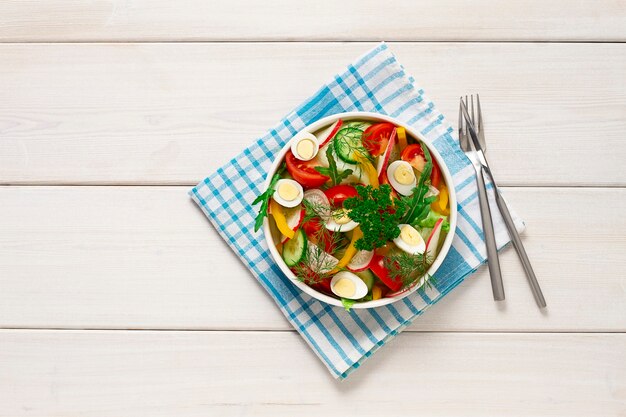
409,268
316,265
319,211
351,139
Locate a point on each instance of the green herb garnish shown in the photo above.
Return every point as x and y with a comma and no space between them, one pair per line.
316,265
417,204
408,268
376,214
335,175
264,199
347,303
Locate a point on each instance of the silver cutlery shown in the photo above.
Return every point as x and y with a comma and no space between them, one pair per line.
474,137
470,146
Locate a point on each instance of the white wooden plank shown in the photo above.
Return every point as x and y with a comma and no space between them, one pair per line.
242,373
144,20
162,113
146,257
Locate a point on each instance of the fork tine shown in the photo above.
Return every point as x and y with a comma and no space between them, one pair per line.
472,110
479,125
460,121
464,139
461,126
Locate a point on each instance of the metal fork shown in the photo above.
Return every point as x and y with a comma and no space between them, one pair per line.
470,146
477,134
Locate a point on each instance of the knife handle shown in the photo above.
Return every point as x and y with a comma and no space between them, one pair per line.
521,252
490,239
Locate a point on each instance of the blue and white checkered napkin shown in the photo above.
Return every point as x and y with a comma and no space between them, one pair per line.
375,82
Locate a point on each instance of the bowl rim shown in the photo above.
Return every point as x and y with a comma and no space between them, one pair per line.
445,248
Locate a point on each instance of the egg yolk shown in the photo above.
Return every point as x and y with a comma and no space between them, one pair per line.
287,191
341,216
305,148
344,287
404,174
410,235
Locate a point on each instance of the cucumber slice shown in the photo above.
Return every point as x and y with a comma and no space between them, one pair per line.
368,278
347,142
294,249
357,125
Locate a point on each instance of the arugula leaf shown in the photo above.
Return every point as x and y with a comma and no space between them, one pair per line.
376,214
265,199
417,204
347,304
335,175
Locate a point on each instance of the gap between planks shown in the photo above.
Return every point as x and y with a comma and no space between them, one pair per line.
262,331
304,41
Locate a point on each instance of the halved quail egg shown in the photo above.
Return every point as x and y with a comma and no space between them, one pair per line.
410,240
340,222
348,285
288,193
401,177
305,146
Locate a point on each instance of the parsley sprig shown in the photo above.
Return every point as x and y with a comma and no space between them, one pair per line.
374,210
379,215
264,199
335,175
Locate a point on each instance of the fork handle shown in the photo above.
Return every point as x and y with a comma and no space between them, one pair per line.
490,239
521,252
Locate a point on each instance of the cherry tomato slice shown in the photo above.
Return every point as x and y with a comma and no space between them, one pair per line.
312,279
435,175
414,154
340,193
316,231
304,173
311,227
323,286
378,268
384,179
411,152
376,136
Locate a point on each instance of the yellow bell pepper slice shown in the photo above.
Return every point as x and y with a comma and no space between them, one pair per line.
377,292
441,203
369,169
401,135
350,251
281,222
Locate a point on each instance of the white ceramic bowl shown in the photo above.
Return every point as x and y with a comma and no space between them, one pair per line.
375,117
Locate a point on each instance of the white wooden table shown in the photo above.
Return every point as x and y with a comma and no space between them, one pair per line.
111,110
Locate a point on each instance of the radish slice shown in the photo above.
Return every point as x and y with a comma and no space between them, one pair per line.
361,260
319,200
433,240
384,161
432,191
330,132
321,158
320,261
295,218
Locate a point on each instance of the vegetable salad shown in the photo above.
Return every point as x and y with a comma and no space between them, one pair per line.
357,210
